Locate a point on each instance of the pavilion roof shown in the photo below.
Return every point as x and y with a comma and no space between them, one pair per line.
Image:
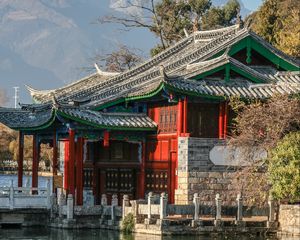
192,55
28,118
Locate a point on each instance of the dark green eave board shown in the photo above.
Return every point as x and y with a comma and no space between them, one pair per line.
133,98
258,47
99,126
232,68
41,127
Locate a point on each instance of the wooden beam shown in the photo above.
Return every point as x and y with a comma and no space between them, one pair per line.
225,119
20,159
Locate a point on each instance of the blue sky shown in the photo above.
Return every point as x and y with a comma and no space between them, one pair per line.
252,4
50,41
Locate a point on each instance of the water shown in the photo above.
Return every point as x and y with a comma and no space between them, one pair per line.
85,234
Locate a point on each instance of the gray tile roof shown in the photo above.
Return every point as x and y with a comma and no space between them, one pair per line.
28,118
133,121
19,118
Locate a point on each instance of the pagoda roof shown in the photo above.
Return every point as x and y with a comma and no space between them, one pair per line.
192,55
31,118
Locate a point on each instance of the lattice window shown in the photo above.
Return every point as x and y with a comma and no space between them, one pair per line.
88,178
120,180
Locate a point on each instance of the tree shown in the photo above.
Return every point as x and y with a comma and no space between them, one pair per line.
262,125
284,168
277,21
168,18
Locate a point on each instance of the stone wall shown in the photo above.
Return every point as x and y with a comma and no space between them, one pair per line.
198,174
289,219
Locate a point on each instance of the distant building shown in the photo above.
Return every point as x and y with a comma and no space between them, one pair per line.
154,128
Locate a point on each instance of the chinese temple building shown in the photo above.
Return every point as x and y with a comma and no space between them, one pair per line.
153,127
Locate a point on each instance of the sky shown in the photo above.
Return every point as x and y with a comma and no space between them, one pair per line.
252,4
46,43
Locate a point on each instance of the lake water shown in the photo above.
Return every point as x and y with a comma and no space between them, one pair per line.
59,234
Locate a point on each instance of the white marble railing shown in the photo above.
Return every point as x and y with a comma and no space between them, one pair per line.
25,197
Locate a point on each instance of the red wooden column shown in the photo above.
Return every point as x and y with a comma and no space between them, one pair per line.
35,161
66,166
179,117
141,184
185,114
79,171
225,119
20,159
71,168
221,121
54,158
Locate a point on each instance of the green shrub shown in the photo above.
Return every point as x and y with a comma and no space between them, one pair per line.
284,168
128,223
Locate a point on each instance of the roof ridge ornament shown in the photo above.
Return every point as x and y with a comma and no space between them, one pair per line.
55,103
103,73
239,20
162,72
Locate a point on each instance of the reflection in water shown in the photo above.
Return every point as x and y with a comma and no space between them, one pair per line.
59,234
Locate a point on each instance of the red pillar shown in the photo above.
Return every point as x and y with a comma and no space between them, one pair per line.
142,172
221,121
54,158
71,168
179,117
20,159
66,166
79,171
185,115
35,161
225,119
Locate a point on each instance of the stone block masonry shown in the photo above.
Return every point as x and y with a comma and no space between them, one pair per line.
289,220
198,174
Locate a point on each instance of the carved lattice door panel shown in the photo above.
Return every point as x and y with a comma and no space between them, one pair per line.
157,181
120,181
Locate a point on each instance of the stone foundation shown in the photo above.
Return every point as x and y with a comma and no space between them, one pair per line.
198,174
289,220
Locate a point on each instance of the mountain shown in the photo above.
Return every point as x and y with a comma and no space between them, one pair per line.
46,43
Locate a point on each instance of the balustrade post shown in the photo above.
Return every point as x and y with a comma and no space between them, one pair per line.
218,210
70,207
125,204
103,200
48,194
239,201
163,206
196,204
61,203
150,197
271,209
11,195
114,203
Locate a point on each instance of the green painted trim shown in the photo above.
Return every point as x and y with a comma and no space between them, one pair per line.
148,95
246,75
228,67
209,72
127,99
101,126
250,42
195,94
227,72
248,59
46,125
